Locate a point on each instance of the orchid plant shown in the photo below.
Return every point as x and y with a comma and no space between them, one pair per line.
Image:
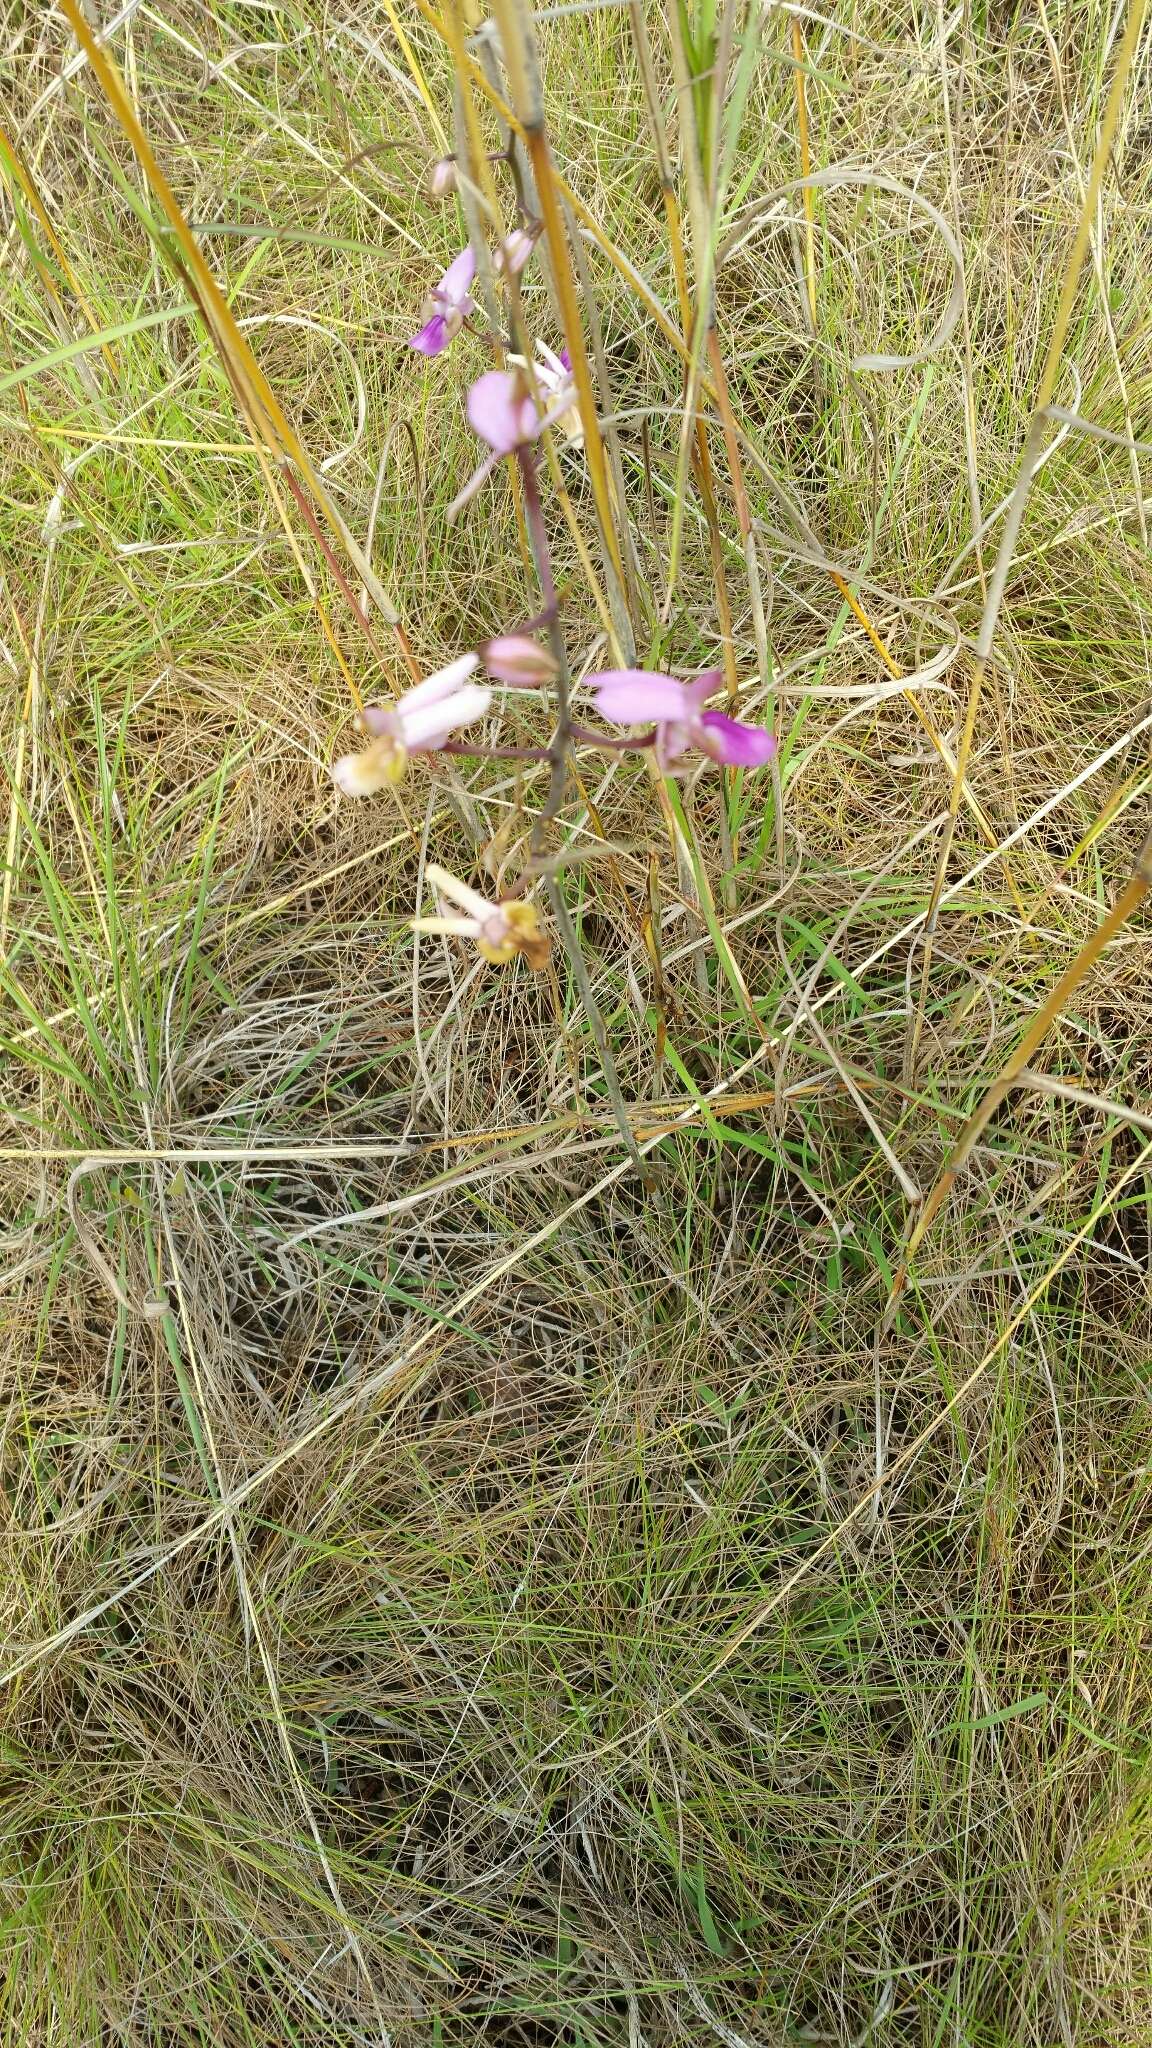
509,409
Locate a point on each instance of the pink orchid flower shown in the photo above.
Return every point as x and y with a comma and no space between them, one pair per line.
499,930
504,413
441,180
418,723
639,696
447,306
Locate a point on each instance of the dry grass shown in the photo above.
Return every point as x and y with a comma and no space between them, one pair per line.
456,1590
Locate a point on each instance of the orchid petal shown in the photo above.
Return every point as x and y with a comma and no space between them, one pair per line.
458,892
440,685
551,368
501,411
633,696
564,413
458,276
433,337
517,658
441,181
430,724
514,252
672,739
380,720
455,927
737,746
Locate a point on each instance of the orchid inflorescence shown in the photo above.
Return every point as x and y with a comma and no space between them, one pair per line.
509,409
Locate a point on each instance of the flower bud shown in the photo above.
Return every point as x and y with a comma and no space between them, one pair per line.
513,252
516,658
442,178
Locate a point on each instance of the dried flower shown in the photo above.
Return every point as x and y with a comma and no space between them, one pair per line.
447,306
517,658
499,930
418,723
637,696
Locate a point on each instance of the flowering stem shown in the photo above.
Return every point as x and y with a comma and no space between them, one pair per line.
562,734
558,755
532,625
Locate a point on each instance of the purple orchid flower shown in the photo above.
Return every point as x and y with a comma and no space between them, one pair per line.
441,181
638,696
513,252
447,306
503,411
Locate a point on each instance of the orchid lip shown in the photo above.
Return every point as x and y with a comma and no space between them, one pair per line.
431,339
733,743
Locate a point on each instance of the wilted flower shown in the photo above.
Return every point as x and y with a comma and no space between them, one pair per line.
513,252
638,696
442,178
500,930
517,658
447,306
418,723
